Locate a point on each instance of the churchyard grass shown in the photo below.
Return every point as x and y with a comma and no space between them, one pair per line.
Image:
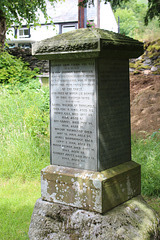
147,153
24,151
24,132
16,207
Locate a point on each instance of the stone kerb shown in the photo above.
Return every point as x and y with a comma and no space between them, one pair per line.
90,119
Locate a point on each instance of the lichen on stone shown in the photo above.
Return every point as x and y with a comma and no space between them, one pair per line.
150,60
86,39
133,220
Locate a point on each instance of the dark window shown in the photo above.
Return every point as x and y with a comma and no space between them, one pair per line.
24,45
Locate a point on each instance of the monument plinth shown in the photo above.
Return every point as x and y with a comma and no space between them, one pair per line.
91,165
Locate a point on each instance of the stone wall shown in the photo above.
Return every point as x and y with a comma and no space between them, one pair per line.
149,62
26,55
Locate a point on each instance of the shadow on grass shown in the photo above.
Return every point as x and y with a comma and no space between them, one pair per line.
15,221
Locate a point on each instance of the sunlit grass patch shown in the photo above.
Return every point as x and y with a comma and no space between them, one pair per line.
16,206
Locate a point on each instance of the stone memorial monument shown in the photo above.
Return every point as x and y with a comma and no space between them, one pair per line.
90,142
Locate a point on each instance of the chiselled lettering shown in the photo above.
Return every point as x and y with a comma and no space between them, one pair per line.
73,114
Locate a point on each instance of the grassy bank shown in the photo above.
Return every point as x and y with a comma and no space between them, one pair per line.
24,151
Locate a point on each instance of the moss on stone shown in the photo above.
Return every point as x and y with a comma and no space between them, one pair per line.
143,67
133,220
152,52
156,72
86,39
138,65
157,64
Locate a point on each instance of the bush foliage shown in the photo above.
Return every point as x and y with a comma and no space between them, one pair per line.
14,71
132,14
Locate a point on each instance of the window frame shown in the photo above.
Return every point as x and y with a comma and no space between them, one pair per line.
63,25
23,28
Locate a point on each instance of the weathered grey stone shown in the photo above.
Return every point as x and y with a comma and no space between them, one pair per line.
86,42
153,69
90,113
26,56
99,99
147,62
90,190
132,220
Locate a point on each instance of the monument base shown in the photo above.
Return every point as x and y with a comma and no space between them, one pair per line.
89,190
132,220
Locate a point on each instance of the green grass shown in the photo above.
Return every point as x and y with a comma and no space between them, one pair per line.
24,151
16,207
24,133
154,202
147,153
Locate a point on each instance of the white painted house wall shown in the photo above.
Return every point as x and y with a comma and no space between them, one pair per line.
107,18
65,18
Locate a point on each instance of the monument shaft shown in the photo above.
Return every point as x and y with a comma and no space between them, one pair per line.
90,120
91,165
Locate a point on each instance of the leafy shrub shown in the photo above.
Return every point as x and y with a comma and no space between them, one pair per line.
132,14
14,71
128,21
90,24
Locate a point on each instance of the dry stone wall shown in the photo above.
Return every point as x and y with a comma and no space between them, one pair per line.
26,55
149,62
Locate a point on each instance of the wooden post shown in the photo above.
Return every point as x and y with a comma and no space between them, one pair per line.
2,30
98,13
82,15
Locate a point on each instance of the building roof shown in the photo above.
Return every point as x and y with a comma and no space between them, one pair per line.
67,11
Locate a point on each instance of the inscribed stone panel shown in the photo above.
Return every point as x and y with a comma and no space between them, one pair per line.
73,114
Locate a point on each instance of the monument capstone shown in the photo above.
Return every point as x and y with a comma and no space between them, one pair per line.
90,143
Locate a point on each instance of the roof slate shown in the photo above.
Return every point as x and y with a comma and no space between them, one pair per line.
68,11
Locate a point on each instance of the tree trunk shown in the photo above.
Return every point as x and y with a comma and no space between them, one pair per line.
2,30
